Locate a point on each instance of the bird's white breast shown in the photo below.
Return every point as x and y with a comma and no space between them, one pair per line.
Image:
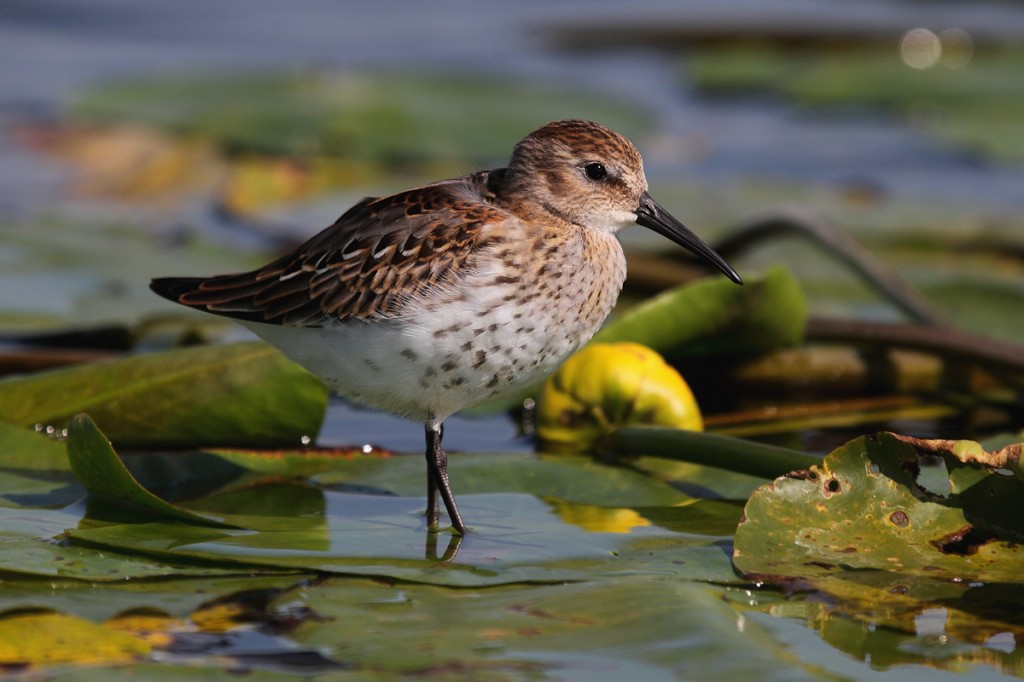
504,324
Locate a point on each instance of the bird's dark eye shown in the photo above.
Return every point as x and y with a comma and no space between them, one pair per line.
595,171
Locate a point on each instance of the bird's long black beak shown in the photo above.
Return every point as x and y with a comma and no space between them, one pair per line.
651,215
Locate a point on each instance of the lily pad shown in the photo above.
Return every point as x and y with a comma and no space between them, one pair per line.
36,638
26,449
583,518
390,119
103,474
237,394
866,507
386,536
977,104
628,628
167,596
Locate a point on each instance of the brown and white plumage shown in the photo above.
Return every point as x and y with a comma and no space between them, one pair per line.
451,294
378,253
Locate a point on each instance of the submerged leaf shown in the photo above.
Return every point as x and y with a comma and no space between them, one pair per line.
238,394
866,506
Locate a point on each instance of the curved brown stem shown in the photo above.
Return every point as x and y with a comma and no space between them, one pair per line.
844,247
949,343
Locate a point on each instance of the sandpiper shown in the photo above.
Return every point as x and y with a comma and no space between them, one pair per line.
458,292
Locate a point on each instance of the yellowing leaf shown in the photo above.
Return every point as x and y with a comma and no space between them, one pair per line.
132,162
219,617
866,507
157,630
255,183
41,638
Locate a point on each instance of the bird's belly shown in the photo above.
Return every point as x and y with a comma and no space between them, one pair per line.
445,357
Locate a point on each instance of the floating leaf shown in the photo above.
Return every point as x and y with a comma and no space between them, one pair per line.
238,394
170,597
892,621
515,539
131,162
865,506
1006,458
620,628
26,449
716,316
566,477
47,638
978,105
298,527
23,554
103,474
391,119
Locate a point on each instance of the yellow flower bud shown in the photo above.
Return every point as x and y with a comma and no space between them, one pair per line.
608,385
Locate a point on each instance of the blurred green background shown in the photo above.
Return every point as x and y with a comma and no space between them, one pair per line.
177,138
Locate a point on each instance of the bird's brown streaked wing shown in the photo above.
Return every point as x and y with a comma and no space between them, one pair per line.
379,253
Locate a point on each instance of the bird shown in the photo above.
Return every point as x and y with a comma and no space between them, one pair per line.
458,292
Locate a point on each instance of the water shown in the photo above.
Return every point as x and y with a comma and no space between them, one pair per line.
53,49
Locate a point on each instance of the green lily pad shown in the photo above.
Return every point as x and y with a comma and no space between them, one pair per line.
566,477
583,518
634,628
716,316
515,538
103,474
237,394
169,596
392,119
28,450
33,543
865,507
978,104
34,470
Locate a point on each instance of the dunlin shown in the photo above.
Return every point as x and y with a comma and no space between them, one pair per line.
455,293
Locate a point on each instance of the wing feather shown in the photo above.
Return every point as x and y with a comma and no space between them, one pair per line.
378,254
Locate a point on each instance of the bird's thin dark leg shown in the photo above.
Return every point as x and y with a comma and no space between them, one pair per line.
432,437
437,479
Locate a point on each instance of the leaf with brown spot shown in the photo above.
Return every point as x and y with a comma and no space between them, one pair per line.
864,507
